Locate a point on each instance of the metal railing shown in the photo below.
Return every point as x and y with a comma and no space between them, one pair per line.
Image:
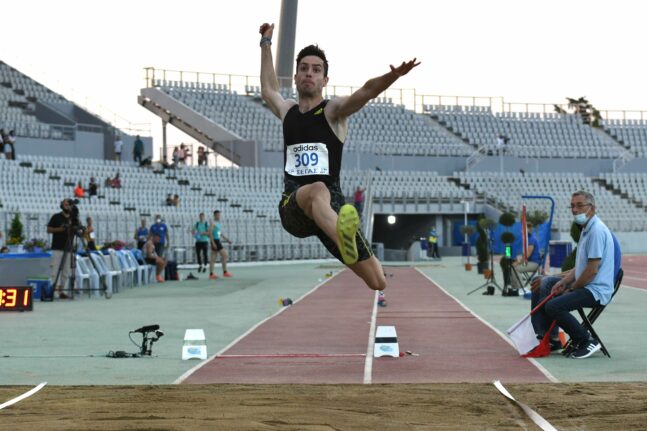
407,97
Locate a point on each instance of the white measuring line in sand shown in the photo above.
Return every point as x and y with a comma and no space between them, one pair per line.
187,374
543,370
533,415
368,362
23,396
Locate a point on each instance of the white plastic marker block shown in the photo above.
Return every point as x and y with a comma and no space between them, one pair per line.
195,345
386,342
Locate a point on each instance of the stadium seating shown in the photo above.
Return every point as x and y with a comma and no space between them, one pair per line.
381,128
18,97
632,133
537,135
620,214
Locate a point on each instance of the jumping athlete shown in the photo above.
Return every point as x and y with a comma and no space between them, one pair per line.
314,131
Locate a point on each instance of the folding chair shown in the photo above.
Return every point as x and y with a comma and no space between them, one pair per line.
525,278
589,319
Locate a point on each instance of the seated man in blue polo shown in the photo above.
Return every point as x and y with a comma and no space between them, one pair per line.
519,266
588,284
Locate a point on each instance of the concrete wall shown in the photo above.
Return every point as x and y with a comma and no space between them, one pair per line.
86,145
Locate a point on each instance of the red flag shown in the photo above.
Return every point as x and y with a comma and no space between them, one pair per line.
543,349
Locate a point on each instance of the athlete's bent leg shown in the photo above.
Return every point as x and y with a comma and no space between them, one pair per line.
370,270
314,200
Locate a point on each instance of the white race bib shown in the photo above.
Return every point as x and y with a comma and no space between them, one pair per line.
307,159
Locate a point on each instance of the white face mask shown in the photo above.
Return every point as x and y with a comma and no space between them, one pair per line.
159,220
580,218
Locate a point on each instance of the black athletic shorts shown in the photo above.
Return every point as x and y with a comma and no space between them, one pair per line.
298,224
151,261
218,245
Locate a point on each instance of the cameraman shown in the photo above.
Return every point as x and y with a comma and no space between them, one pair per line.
62,239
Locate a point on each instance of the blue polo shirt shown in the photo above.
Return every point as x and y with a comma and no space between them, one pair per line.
161,230
534,256
596,242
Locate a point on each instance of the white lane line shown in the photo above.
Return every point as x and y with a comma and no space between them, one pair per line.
187,374
543,370
629,277
368,362
624,286
533,415
23,396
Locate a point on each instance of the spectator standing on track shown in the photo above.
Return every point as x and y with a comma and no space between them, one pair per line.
62,243
216,237
589,284
161,230
433,244
201,234
314,131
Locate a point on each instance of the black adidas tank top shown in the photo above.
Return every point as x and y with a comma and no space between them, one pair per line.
311,152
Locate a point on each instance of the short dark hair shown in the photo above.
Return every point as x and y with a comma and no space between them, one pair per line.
317,52
216,212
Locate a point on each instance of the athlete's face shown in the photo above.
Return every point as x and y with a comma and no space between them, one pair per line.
310,79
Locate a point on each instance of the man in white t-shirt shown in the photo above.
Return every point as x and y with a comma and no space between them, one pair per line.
118,144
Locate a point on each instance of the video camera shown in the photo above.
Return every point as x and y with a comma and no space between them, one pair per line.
75,226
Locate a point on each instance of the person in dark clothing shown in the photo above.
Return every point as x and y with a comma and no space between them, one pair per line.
62,243
314,131
138,149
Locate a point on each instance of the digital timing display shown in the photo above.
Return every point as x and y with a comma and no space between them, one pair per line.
15,298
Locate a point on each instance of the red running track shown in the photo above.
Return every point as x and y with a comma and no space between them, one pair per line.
324,337
635,271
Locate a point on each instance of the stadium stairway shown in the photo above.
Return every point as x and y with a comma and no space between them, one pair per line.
201,128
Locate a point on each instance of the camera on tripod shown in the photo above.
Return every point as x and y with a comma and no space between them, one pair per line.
74,226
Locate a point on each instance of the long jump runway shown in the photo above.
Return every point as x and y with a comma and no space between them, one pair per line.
324,338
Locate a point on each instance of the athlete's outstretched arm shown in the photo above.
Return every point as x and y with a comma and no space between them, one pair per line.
343,107
269,83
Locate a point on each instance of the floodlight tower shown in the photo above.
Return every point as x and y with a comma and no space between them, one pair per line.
285,49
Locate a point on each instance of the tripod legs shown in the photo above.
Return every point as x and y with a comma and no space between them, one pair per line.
490,284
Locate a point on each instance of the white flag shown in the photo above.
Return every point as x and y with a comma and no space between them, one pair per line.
523,335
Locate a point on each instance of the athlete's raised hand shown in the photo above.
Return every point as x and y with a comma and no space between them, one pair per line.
404,68
266,30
